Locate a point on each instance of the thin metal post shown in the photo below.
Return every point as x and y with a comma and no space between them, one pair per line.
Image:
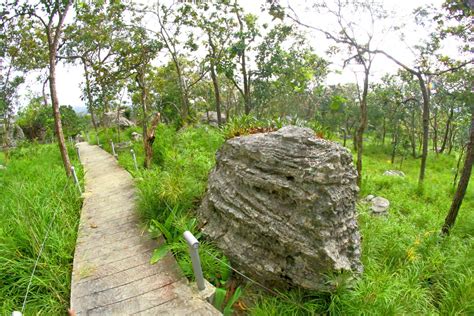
78,153
193,244
134,159
76,181
113,148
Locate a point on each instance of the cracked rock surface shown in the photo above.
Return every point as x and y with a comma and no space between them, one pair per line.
281,206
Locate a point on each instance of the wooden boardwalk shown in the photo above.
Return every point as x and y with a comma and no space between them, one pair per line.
112,274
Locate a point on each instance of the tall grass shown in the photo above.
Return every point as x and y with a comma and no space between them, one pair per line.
33,187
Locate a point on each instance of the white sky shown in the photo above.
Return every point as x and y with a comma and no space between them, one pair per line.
69,77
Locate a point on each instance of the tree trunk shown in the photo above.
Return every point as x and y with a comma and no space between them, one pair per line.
53,42
384,131
463,182
143,100
89,96
426,126
215,83
395,144
243,65
446,132
362,126
435,131
452,137
413,135
217,96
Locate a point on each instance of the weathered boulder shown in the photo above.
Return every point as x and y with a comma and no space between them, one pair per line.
281,206
14,135
211,118
380,205
394,173
111,119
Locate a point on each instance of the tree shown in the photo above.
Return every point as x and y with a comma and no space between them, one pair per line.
216,23
245,36
359,42
135,58
173,22
47,16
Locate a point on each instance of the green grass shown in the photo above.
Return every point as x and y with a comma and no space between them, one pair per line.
33,187
408,267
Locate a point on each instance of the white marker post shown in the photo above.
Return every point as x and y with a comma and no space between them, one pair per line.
78,153
76,181
134,159
193,244
113,148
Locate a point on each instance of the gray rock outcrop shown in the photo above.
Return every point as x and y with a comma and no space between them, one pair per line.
281,206
111,119
14,135
211,118
380,205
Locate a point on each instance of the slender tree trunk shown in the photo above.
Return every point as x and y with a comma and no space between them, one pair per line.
435,131
463,182
384,131
53,43
143,100
217,96
243,65
89,96
446,132
452,137
413,135
426,126
395,144
215,82
362,127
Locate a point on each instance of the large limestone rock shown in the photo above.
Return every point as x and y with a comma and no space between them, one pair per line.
110,119
211,118
281,206
14,135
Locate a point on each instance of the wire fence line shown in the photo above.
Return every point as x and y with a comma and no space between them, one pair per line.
50,225
278,294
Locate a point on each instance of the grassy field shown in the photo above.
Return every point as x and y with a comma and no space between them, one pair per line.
408,267
33,187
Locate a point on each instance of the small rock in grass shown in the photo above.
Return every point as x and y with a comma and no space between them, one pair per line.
369,198
394,173
2,167
136,136
380,206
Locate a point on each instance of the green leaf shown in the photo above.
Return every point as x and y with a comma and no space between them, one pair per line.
159,253
219,298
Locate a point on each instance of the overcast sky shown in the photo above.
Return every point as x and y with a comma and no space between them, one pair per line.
70,77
